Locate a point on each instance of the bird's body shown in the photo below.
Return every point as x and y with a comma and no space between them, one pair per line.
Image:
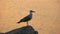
27,18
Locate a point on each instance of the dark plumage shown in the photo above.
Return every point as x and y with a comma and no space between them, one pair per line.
27,18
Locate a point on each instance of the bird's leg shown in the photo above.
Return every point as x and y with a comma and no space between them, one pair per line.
27,23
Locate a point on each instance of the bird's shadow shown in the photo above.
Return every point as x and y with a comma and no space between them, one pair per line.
23,30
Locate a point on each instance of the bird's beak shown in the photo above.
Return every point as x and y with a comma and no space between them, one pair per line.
33,11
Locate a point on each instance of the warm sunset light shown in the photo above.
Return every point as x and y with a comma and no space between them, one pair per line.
45,20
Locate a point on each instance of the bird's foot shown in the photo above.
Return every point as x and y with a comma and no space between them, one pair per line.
27,25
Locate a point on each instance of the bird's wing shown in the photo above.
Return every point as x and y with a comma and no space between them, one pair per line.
26,18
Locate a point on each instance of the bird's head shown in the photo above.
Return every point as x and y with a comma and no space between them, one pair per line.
32,11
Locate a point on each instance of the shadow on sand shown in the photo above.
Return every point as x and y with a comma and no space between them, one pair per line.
23,30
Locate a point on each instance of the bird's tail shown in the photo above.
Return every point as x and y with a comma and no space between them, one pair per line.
19,22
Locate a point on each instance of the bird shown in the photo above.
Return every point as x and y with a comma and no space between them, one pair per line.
27,18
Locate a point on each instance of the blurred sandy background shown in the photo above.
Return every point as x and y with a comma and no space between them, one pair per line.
46,20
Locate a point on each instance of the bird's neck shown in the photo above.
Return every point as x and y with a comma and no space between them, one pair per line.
30,13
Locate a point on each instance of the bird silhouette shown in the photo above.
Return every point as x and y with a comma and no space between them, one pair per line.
27,18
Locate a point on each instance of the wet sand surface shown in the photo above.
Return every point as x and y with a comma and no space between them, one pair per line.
46,19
